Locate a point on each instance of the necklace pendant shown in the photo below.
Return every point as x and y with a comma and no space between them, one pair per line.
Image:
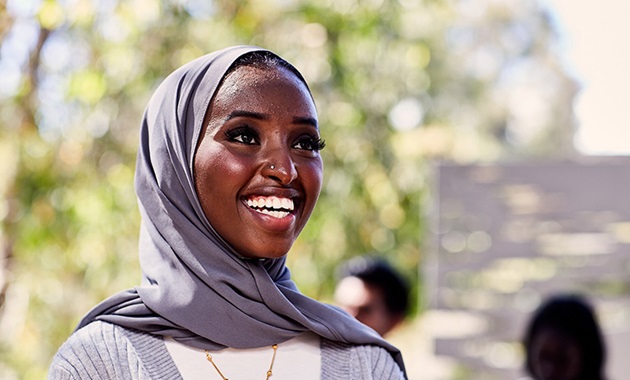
269,371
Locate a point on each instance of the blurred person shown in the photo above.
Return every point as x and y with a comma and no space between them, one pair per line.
227,175
563,341
373,292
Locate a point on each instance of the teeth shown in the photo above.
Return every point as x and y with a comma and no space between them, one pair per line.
275,214
274,206
287,204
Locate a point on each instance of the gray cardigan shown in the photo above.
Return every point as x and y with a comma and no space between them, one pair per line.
106,351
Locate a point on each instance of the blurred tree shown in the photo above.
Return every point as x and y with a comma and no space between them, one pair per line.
398,84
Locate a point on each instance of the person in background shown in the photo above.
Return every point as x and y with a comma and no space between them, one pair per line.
563,341
373,292
227,175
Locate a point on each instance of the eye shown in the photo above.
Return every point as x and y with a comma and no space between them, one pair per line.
243,135
312,143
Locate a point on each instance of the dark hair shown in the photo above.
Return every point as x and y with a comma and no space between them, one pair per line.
573,316
377,272
263,59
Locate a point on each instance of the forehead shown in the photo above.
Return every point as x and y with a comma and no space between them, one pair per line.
269,91
353,290
264,77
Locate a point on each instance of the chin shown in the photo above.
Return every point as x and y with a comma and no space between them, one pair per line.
271,247
276,256
274,253
262,256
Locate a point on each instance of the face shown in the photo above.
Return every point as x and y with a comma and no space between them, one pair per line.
366,303
555,356
258,171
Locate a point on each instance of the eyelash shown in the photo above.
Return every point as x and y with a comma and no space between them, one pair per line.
234,134
313,143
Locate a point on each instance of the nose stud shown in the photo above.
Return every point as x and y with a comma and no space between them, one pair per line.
272,167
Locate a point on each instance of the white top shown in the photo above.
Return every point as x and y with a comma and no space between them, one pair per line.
298,358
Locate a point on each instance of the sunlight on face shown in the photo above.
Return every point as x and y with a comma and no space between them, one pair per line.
258,171
366,303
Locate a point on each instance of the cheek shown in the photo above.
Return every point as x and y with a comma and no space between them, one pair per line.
214,161
218,177
312,175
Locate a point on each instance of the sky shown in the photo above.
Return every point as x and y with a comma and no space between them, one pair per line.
596,45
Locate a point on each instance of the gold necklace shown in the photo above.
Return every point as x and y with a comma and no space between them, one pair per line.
269,371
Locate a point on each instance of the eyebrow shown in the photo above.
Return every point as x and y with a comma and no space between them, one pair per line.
261,116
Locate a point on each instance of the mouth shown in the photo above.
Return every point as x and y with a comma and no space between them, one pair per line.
276,207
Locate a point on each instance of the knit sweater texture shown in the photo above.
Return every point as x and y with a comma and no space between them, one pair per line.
102,350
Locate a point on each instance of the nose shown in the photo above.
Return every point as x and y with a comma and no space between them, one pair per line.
279,166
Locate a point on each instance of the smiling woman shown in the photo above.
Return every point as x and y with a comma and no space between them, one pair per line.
261,128
228,173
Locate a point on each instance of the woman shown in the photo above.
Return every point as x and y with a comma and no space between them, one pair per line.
563,341
227,175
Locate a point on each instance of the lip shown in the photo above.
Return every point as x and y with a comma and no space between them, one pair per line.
269,222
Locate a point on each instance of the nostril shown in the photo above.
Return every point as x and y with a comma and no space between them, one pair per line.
283,173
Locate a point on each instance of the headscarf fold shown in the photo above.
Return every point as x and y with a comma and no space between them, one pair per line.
195,287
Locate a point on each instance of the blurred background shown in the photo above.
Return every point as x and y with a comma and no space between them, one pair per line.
474,143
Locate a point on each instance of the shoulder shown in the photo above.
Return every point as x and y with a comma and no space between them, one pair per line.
342,360
107,351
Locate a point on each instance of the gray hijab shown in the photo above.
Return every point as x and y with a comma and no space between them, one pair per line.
195,287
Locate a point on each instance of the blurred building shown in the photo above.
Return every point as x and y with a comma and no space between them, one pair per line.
507,236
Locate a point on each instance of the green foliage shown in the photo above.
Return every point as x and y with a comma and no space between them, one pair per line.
398,84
